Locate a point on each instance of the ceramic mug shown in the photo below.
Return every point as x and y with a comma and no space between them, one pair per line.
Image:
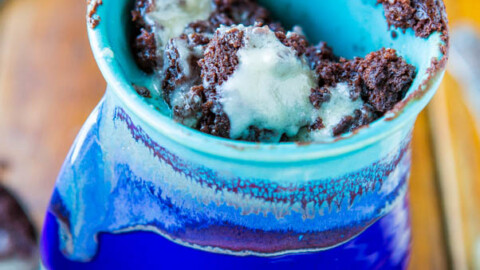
139,191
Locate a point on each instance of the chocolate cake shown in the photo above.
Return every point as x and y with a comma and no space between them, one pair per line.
207,65
423,16
92,18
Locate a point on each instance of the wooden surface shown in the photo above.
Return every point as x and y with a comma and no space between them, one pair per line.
49,83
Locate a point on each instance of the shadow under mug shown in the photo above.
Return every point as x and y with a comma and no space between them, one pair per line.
139,191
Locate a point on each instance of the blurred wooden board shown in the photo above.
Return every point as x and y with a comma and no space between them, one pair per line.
428,247
457,154
457,150
49,83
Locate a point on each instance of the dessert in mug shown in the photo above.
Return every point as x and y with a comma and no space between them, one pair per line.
227,68
140,191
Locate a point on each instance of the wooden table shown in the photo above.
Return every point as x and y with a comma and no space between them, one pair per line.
49,83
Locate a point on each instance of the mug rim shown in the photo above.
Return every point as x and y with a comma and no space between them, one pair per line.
404,112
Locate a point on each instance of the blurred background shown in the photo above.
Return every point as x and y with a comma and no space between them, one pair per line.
49,83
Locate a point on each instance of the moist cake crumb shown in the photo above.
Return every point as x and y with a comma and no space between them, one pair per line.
142,91
146,48
319,96
92,18
386,79
227,67
423,16
219,62
180,62
144,44
208,87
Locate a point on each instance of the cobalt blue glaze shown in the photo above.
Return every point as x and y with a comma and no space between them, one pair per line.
139,191
384,245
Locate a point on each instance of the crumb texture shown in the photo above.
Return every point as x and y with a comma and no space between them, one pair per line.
93,19
266,85
386,79
228,69
423,16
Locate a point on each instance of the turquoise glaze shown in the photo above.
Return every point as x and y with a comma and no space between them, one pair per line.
133,169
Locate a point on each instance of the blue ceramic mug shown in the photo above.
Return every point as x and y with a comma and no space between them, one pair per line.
139,191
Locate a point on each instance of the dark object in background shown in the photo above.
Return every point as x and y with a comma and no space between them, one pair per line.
18,244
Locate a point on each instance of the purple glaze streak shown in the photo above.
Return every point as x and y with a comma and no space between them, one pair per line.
332,191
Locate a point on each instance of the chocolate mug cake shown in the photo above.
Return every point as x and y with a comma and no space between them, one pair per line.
227,68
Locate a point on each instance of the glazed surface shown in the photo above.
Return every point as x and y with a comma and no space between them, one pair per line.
207,204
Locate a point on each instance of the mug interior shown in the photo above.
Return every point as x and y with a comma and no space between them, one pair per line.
351,27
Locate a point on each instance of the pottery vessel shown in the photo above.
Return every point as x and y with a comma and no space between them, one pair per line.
139,191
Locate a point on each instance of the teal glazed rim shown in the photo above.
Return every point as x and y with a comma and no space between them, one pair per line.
103,38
